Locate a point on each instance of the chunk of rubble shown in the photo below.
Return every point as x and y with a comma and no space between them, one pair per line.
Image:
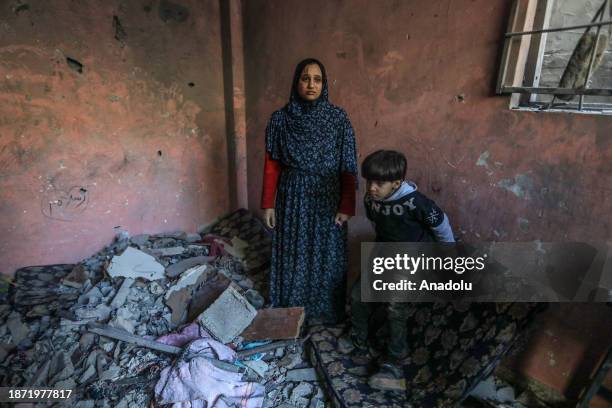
122,293
133,263
77,277
302,374
228,316
180,295
178,268
259,366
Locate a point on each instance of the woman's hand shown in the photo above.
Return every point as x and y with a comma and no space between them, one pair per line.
269,217
341,219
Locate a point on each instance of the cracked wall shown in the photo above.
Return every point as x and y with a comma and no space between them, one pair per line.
111,117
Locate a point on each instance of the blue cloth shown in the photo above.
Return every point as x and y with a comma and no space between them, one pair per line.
315,143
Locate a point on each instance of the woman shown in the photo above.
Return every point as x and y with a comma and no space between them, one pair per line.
308,195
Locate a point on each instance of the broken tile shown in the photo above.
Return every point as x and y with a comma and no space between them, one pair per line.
133,263
228,316
275,324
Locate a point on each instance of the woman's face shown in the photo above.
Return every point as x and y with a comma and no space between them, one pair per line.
310,83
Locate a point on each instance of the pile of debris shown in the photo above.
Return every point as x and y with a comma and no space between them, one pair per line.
119,327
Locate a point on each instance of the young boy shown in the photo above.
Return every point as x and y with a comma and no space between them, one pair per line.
399,213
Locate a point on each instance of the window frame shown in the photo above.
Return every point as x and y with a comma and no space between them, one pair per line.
523,55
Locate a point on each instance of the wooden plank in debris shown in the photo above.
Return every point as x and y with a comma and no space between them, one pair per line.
275,324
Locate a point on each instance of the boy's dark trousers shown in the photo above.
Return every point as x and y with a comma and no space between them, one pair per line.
397,316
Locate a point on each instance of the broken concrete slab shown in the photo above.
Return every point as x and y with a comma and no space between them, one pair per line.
122,293
179,296
228,316
178,268
133,263
302,374
205,294
275,324
190,277
77,277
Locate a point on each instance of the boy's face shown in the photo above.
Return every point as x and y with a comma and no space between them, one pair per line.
379,190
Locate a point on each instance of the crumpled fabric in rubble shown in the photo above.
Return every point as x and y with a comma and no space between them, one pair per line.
193,382
187,334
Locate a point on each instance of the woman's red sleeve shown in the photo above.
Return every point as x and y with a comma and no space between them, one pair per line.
272,170
347,194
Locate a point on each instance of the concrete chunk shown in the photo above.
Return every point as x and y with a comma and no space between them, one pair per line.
228,316
122,293
302,374
175,270
259,366
133,263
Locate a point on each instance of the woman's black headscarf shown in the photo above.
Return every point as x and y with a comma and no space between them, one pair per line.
314,136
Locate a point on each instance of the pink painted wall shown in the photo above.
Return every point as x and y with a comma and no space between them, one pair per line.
149,148
398,68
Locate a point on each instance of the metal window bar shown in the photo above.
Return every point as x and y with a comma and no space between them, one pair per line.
566,91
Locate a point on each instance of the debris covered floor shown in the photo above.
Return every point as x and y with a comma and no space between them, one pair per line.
148,286
168,318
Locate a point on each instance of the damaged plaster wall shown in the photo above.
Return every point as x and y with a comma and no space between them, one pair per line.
111,115
423,82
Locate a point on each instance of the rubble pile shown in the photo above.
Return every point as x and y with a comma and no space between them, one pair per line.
144,287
